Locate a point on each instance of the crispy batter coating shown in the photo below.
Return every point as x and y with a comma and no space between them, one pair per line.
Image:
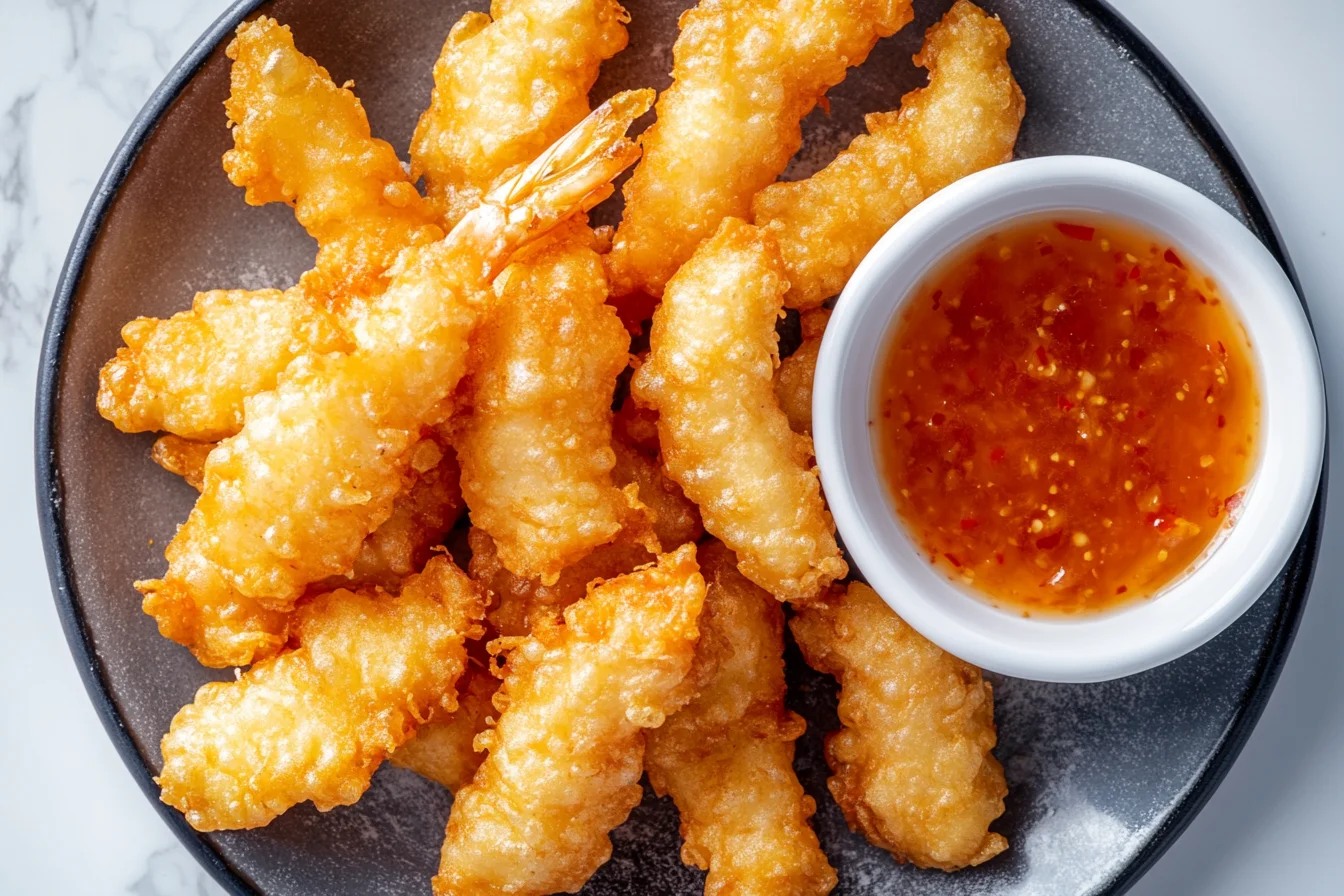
674,518
348,189
315,722
443,750
289,500
506,89
745,73
190,373
913,768
793,379
966,119
536,444
709,374
726,758
565,757
183,457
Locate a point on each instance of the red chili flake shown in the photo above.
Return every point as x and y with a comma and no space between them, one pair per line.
1173,258
1141,413
1042,356
1136,356
1148,311
1047,542
1065,404
1122,589
969,523
937,419
1134,272
997,455
1150,518
1140,450
999,557
1222,349
973,374
953,560
1222,421
1076,231
1208,393
1202,299
1166,525
1233,502
937,298
1119,278
1047,249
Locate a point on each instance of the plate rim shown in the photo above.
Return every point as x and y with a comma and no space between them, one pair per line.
51,514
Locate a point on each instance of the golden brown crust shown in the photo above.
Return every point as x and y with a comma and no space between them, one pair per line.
745,72
966,119
726,758
506,89
724,439
565,757
913,767
443,750
793,379
183,457
315,722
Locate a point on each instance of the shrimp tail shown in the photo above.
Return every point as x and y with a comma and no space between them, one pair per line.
569,178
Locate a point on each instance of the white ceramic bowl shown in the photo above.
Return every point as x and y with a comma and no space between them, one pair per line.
1229,577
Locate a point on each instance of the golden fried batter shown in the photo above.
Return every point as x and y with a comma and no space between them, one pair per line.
913,768
793,379
536,445
321,459
506,89
727,756
709,375
966,119
745,73
300,139
443,750
183,457
190,373
675,520
315,722
565,757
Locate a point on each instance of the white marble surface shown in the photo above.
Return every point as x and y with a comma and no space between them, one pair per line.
74,72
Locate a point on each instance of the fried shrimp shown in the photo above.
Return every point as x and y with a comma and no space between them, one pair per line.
506,89
183,457
675,520
709,375
726,758
745,74
190,373
566,754
443,750
536,444
315,722
321,459
966,119
363,210
793,379
913,768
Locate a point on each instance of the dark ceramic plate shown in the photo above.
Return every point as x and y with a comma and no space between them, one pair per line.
1103,777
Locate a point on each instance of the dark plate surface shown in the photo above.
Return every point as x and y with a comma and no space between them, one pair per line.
1103,777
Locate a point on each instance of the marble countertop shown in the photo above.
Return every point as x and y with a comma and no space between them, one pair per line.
73,73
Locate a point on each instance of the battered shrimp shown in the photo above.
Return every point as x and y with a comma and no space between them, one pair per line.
966,119
727,756
675,520
183,457
321,459
566,754
315,722
709,375
349,190
793,379
443,750
190,373
745,73
506,89
536,443
913,768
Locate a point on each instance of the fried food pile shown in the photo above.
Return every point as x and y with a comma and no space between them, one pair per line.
639,541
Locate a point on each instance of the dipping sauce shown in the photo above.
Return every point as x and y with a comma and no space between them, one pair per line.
1067,415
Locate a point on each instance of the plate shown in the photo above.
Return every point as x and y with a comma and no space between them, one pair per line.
1103,777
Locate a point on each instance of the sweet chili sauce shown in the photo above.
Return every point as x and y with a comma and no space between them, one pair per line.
1067,415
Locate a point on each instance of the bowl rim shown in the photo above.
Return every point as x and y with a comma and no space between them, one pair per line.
51,517
1229,577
